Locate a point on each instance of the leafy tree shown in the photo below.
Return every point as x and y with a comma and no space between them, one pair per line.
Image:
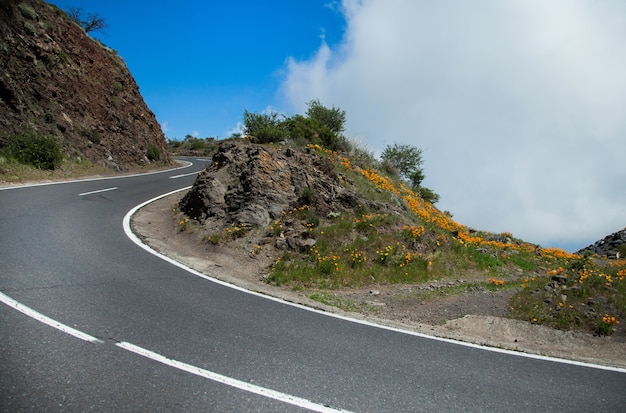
310,130
407,160
264,127
333,118
93,23
428,195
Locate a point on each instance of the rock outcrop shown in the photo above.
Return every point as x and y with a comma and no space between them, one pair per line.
57,80
608,246
253,184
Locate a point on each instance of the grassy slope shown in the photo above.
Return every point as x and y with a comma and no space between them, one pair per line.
396,237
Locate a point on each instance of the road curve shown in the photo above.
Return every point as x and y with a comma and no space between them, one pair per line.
92,322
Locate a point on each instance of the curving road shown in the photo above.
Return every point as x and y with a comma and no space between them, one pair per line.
89,321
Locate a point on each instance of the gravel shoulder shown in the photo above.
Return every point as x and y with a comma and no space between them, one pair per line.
476,317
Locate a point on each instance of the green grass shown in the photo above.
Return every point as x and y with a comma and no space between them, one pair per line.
586,298
382,241
192,146
13,172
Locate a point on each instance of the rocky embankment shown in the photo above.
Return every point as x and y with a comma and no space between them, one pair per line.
57,80
253,185
608,246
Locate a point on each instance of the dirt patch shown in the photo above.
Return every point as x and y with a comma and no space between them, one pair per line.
476,316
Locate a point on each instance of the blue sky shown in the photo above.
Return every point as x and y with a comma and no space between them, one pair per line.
199,64
518,105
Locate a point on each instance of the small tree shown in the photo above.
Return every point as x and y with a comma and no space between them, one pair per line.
428,195
407,160
333,118
264,127
93,23
311,130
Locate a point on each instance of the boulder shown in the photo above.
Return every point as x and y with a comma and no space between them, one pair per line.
255,184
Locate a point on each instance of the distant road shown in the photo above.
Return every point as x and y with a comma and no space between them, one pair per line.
89,321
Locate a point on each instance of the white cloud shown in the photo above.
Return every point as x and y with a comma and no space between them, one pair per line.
165,126
238,129
518,105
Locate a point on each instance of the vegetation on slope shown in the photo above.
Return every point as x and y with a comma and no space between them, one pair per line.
68,104
393,235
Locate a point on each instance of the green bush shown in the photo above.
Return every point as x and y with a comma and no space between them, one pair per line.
154,153
264,127
40,151
30,29
333,119
196,144
27,11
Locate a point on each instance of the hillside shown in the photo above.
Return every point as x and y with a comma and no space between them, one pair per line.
57,81
332,226
331,231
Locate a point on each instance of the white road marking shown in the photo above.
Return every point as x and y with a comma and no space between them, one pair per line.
98,191
102,178
136,240
47,320
238,384
183,175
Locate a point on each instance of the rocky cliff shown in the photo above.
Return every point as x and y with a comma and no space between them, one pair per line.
609,246
253,184
57,80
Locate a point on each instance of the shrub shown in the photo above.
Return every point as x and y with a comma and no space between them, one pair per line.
407,160
153,152
302,128
264,127
428,195
27,11
40,151
91,134
196,144
307,196
333,119
30,29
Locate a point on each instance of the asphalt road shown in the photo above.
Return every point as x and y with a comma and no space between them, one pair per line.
89,321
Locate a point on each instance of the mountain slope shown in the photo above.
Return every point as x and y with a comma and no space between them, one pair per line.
322,221
56,80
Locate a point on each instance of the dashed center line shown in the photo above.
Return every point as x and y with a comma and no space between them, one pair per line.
216,377
47,320
183,175
98,191
241,385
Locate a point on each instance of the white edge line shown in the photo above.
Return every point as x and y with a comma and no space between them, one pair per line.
138,241
241,385
102,178
98,191
47,320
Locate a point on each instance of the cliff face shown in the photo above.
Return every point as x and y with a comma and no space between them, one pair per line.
253,185
608,246
56,79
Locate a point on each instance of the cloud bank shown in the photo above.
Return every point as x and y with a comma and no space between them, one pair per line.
519,106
